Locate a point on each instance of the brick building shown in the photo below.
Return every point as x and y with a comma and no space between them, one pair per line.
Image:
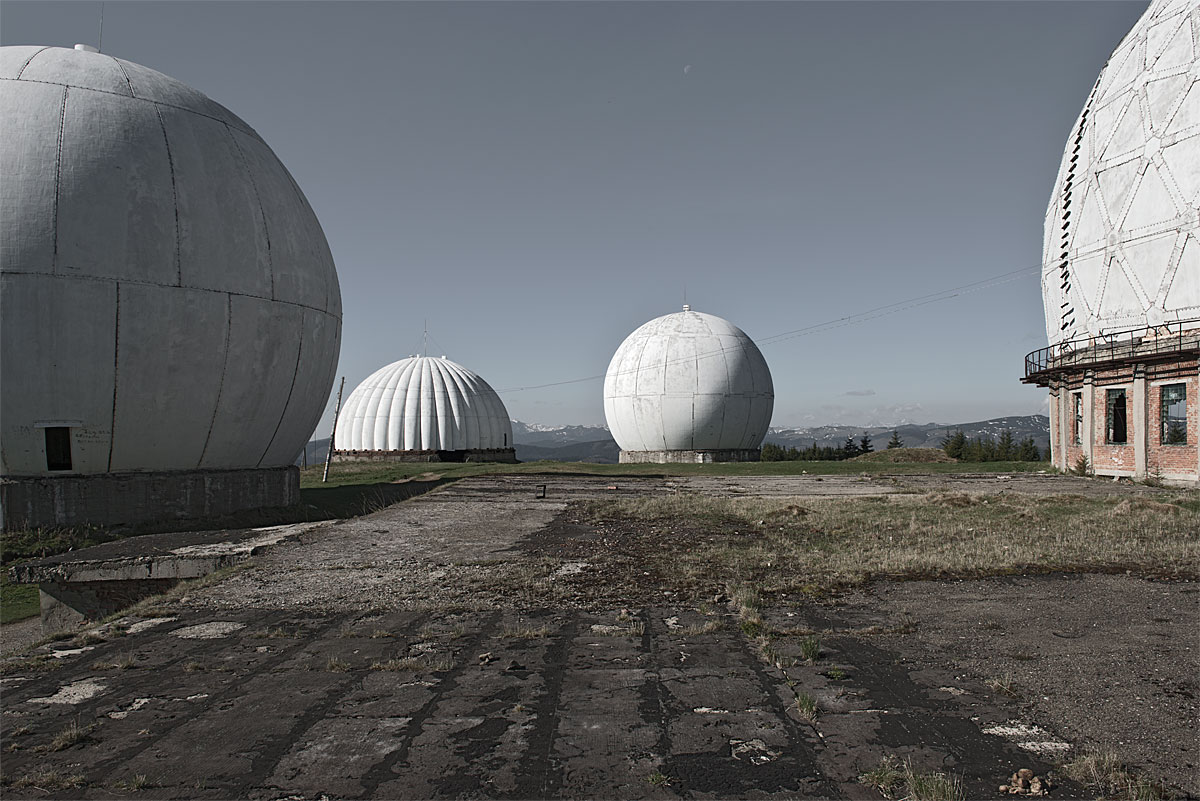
1121,262
1129,403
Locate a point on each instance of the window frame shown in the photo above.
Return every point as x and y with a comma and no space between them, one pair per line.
1163,421
1076,418
1109,416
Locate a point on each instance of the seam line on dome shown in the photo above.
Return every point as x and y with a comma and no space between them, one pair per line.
248,130
21,71
262,213
221,383
112,429
124,74
174,197
110,279
291,391
62,124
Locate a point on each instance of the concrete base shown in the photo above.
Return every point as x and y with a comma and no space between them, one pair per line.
92,583
508,455
123,498
690,457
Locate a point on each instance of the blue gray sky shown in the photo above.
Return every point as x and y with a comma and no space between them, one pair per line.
537,179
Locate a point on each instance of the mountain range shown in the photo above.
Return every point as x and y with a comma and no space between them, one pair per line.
594,444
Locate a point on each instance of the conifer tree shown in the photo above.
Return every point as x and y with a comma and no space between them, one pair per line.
895,441
850,449
955,445
864,445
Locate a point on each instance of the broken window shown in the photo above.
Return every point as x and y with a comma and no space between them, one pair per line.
1077,428
1115,417
58,448
1174,414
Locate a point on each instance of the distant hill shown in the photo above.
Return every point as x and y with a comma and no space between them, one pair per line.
556,436
594,444
928,435
604,451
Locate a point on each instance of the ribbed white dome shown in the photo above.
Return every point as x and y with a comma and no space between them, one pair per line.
423,404
167,292
1121,247
688,381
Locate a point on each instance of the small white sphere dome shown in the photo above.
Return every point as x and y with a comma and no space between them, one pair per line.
1122,245
688,381
423,403
167,292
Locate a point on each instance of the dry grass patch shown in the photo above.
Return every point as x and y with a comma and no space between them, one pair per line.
50,781
760,547
898,779
71,735
1104,773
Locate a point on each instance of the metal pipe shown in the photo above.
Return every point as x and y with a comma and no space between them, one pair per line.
329,451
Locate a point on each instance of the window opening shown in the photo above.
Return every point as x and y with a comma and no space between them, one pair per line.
1116,417
1077,431
1174,414
58,448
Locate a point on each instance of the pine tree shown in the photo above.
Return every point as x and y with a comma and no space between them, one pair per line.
864,445
955,445
849,449
772,452
895,441
1006,449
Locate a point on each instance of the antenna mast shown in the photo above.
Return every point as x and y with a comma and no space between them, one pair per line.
100,41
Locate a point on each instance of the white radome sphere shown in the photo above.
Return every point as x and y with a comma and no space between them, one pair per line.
1121,248
688,381
423,404
168,294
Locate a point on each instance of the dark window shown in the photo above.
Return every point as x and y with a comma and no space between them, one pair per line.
1115,417
58,448
1174,414
1077,431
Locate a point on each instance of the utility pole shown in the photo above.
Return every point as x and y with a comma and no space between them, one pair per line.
336,409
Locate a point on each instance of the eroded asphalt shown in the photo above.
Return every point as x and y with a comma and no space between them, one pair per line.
424,652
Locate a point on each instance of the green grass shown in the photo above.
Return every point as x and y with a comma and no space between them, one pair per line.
18,601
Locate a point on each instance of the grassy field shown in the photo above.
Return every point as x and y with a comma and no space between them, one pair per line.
382,472
819,545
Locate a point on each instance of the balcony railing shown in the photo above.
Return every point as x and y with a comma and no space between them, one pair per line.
1151,342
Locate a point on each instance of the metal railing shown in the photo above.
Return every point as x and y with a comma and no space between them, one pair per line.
1148,342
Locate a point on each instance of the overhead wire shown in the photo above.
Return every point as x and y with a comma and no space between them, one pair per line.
839,322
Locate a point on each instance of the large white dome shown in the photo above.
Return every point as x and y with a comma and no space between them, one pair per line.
1121,248
168,295
688,381
423,404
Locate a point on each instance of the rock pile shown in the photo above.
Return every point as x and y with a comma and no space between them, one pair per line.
1024,782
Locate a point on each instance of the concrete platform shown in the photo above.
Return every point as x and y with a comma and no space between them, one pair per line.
452,646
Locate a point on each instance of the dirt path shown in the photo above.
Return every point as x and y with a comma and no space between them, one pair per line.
450,646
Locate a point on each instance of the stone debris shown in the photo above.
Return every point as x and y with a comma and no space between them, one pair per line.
74,693
137,704
708,710
1025,782
70,652
952,690
570,569
753,751
672,622
1030,738
209,631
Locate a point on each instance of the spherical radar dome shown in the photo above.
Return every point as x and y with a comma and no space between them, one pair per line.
1121,245
168,294
423,404
688,381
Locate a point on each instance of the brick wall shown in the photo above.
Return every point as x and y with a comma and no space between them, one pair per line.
1170,461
